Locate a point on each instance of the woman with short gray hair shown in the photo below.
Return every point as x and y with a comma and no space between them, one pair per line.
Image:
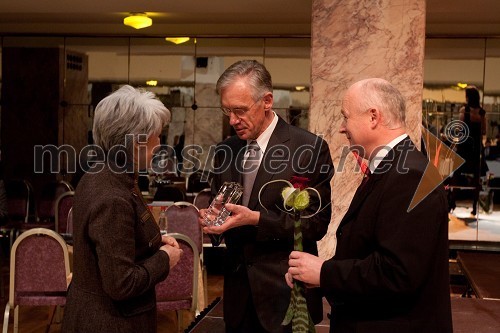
119,253
128,111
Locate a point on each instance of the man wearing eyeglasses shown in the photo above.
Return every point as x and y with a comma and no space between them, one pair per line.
259,233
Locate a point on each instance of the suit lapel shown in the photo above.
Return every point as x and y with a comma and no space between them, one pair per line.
388,163
235,150
279,137
360,196
238,165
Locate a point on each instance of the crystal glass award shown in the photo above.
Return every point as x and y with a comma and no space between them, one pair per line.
230,192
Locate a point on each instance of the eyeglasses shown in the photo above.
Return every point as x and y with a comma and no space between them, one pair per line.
239,111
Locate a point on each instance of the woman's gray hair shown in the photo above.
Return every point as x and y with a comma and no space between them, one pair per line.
381,94
128,111
258,77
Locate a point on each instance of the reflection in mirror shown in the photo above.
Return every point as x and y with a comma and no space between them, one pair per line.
205,124
105,68
186,75
1,48
450,66
491,192
183,76
491,100
288,61
166,69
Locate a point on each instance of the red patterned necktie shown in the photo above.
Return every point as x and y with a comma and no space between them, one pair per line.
366,175
364,169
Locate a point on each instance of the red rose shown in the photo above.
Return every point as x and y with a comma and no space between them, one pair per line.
299,182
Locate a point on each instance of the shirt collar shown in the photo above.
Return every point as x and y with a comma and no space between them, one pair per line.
382,153
264,138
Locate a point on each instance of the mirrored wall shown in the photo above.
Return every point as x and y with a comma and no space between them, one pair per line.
450,65
184,77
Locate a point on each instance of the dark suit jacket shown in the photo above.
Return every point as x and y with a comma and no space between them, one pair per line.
257,257
116,261
390,270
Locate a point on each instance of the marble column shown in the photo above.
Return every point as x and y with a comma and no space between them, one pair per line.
354,40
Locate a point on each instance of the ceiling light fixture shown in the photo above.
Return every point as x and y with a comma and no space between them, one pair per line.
462,85
177,40
138,20
152,83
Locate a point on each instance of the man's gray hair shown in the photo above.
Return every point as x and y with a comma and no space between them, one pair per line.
258,77
381,94
128,111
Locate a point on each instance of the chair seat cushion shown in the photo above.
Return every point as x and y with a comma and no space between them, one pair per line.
39,299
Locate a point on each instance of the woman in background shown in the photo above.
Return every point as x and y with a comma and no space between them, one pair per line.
472,150
119,253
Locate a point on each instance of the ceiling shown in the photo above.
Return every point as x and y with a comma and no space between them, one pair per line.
218,17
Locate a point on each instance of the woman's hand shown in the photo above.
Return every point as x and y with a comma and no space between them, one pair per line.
173,250
169,241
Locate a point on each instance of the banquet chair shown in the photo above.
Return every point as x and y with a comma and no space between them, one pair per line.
69,222
169,193
20,207
201,201
20,200
179,291
63,204
45,207
39,268
203,198
182,218
68,234
47,200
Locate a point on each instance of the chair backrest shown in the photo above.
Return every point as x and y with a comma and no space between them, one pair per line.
63,204
178,291
182,218
169,193
203,198
39,268
20,199
201,201
47,201
69,222
143,182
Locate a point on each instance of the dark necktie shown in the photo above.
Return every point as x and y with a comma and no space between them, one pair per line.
250,168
